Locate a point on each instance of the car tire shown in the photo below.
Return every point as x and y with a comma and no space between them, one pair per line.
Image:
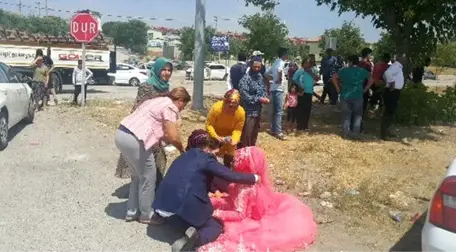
134,82
3,130
30,111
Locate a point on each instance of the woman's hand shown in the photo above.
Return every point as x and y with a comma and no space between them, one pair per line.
264,100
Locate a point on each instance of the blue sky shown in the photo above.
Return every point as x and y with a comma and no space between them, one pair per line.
303,17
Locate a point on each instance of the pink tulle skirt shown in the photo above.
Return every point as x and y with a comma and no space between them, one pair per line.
290,228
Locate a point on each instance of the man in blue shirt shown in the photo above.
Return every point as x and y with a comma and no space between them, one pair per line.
329,65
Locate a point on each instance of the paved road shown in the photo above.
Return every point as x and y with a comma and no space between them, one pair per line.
57,181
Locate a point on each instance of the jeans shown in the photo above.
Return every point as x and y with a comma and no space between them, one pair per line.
352,110
277,112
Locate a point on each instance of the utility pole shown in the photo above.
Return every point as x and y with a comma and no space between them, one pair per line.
39,8
198,74
46,6
20,7
216,23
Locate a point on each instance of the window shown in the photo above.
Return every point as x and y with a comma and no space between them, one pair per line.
217,67
124,67
10,74
3,78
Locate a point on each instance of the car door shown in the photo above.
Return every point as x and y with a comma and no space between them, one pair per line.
122,74
22,89
217,72
12,101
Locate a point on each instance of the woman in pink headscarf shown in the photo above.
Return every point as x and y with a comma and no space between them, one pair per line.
258,219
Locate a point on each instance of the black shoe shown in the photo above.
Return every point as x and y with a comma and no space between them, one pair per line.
187,242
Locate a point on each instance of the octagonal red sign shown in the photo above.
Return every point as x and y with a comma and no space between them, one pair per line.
84,27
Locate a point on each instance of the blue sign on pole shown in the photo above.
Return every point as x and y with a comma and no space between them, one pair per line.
220,44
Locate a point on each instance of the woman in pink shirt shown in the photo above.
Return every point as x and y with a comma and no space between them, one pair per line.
138,137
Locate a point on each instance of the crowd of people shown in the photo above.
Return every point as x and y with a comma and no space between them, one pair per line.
223,207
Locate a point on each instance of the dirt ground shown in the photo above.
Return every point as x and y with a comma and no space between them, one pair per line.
354,187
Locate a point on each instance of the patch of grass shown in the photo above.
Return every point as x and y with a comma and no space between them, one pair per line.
322,161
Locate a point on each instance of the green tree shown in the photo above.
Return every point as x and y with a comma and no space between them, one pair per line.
350,40
445,55
187,40
48,25
266,32
416,27
237,46
131,34
384,45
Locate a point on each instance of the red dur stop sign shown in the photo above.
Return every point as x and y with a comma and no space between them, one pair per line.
84,27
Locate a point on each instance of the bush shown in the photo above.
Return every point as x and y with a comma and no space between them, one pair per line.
418,106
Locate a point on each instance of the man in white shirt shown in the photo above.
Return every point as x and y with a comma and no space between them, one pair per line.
394,78
77,81
278,88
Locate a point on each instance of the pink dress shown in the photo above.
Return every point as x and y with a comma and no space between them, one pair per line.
258,219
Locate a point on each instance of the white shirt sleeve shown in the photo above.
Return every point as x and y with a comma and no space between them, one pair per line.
74,76
389,74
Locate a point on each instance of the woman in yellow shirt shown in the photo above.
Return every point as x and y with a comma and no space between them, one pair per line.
225,122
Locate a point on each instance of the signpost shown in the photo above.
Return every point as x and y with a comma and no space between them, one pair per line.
84,28
220,44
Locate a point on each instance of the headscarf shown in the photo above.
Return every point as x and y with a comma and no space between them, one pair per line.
255,74
155,75
232,96
195,139
252,160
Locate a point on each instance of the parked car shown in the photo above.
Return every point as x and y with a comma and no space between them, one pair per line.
212,71
429,75
439,231
129,74
16,102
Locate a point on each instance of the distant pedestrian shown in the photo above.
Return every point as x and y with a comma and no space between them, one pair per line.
394,78
418,72
379,82
277,92
349,82
291,106
78,74
366,55
253,95
305,80
237,71
40,82
328,64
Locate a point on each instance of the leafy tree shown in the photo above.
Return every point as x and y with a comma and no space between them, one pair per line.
384,45
48,25
237,46
187,40
131,34
416,27
266,32
445,55
349,38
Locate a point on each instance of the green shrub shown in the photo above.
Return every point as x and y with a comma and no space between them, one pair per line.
418,106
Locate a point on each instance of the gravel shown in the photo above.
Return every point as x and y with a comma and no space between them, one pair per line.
56,190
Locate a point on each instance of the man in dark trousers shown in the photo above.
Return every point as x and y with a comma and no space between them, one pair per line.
394,78
182,196
237,71
328,64
418,72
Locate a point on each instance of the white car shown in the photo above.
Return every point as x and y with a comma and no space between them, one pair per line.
129,74
16,102
439,231
212,71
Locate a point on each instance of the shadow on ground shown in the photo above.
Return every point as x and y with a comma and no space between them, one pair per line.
117,210
14,131
411,240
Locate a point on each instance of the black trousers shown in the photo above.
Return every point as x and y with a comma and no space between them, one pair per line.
330,90
304,111
391,101
376,98
250,132
77,91
207,233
